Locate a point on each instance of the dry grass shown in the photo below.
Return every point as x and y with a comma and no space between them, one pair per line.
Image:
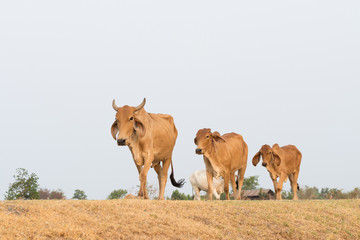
141,219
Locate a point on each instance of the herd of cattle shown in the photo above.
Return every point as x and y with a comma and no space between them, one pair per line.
151,139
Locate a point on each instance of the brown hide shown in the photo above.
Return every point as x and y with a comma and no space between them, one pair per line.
151,139
223,156
281,162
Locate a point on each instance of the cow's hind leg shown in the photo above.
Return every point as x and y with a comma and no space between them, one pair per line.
241,174
226,185
293,181
158,171
233,184
164,175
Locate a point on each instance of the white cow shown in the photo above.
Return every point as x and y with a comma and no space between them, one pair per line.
199,182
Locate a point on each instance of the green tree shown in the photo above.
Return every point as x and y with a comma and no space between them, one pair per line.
117,194
176,195
79,194
250,183
25,186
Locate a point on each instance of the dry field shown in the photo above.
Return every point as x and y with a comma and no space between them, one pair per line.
151,219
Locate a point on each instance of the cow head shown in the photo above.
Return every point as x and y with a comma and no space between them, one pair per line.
205,140
127,123
268,154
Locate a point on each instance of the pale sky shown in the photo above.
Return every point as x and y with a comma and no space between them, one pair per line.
285,72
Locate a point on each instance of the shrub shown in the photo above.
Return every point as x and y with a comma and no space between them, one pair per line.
117,194
79,194
25,186
176,195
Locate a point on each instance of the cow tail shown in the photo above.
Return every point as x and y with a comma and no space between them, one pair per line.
178,184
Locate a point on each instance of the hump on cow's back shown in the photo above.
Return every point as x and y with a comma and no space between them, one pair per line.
232,135
289,146
165,117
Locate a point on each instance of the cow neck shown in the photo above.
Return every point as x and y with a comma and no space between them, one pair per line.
143,115
273,169
211,148
212,158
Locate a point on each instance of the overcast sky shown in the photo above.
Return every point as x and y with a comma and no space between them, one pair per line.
284,72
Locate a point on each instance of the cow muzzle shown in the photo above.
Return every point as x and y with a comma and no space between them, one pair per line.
121,142
198,151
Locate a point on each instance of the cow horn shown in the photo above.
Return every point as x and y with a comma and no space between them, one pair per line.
114,105
141,105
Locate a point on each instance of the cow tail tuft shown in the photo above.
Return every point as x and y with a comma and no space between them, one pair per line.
298,186
177,184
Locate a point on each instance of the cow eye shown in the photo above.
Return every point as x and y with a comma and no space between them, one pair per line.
207,136
131,118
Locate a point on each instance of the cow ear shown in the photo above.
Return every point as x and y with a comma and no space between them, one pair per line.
256,158
139,127
114,130
216,136
276,158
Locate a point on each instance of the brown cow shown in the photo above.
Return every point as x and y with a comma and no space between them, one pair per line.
283,162
223,156
151,139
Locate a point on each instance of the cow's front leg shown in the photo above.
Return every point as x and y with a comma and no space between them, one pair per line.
196,193
139,162
209,177
280,185
274,180
143,175
139,169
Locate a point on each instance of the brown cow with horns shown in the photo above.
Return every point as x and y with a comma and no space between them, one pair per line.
151,139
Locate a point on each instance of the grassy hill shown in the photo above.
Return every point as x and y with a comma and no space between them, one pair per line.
142,219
